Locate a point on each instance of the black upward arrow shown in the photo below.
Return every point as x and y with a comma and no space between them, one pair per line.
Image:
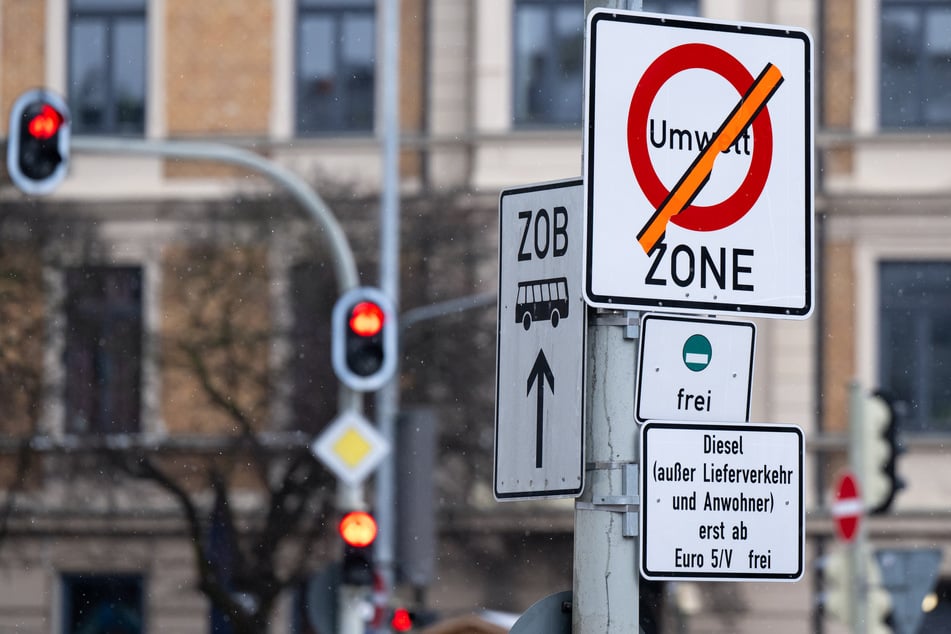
540,371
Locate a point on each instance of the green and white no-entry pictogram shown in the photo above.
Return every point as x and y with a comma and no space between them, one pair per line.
697,352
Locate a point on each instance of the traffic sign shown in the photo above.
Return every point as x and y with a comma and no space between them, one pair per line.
721,502
350,447
698,161
848,508
694,369
539,412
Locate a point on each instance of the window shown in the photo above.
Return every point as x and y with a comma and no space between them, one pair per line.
548,62
103,349
549,58
915,63
336,53
107,66
915,342
102,603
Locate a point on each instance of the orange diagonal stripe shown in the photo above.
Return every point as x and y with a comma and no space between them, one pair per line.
694,179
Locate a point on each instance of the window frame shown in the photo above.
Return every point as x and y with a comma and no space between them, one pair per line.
528,121
921,78
103,404
110,16
924,317
338,10
68,580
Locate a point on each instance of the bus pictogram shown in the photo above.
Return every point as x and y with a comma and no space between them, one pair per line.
542,300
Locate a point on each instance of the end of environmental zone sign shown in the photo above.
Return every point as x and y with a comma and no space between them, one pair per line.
698,164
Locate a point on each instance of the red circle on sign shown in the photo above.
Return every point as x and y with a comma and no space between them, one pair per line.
678,59
847,507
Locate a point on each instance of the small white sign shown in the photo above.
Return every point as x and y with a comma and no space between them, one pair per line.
539,410
351,447
694,369
721,502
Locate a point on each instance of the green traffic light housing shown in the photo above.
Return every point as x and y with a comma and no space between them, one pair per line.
879,475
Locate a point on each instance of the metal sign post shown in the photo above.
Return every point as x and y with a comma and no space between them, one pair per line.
606,581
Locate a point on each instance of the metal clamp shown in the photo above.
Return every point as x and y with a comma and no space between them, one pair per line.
629,319
628,503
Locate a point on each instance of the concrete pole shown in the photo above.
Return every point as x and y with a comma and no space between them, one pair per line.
606,578
606,575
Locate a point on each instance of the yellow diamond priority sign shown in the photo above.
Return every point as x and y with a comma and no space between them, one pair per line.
350,447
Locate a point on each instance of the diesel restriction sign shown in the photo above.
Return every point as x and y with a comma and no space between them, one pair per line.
698,164
539,414
721,502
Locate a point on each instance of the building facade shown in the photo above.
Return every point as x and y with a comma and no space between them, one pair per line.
158,306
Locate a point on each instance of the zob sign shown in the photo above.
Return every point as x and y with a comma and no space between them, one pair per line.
698,157
539,414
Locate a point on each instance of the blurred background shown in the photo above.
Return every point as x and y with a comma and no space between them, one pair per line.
165,322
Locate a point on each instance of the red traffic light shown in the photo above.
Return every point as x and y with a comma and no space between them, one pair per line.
366,319
38,141
45,124
358,529
364,333
402,620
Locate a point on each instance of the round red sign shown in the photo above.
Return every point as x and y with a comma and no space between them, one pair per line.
847,507
675,60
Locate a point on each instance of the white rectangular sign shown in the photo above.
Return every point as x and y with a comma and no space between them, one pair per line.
693,369
539,412
698,166
721,502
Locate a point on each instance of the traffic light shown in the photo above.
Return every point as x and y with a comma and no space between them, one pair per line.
841,590
837,585
401,620
879,478
363,350
878,601
38,141
358,530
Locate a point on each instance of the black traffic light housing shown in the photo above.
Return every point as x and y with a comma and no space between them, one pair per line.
358,531
884,443
38,141
364,342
